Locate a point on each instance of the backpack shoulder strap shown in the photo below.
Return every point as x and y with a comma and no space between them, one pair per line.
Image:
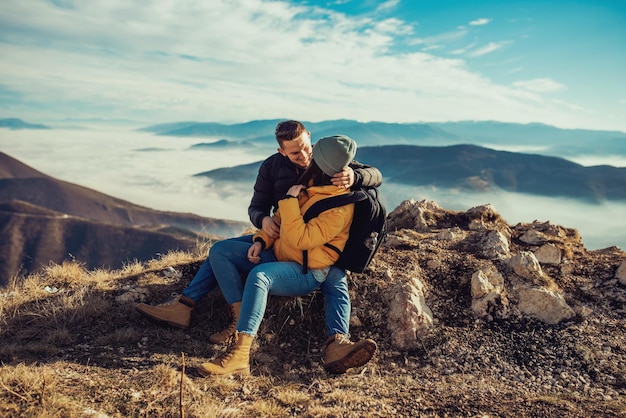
323,205
333,202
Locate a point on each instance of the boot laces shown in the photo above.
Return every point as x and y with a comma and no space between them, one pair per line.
343,339
232,345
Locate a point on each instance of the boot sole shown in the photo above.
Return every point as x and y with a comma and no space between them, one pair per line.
241,372
161,321
356,358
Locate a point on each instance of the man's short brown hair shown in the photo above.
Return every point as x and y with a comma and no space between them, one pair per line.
288,130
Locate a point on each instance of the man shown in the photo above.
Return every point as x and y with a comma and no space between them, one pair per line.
276,175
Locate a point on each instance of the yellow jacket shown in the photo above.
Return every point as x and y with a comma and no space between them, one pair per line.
331,226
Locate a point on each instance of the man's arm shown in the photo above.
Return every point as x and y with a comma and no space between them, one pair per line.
365,175
263,196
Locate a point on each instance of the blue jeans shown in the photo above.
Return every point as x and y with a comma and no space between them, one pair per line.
204,280
334,289
282,278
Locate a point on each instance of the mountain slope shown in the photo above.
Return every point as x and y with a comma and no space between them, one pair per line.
476,168
45,220
33,237
20,182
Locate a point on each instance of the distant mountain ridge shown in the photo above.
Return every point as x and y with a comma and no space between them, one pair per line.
474,168
541,138
15,123
43,219
544,139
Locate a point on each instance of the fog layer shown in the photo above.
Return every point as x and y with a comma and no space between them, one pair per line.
157,172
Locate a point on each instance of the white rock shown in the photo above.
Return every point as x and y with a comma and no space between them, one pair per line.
409,316
495,245
488,297
546,305
525,264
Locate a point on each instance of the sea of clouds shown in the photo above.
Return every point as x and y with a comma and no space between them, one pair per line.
157,172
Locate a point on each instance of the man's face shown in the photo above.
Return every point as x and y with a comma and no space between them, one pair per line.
298,150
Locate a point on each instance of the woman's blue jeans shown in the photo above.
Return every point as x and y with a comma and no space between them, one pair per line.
230,258
282,278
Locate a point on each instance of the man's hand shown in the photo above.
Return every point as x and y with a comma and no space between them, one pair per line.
344,179
254,251
295,190
270,227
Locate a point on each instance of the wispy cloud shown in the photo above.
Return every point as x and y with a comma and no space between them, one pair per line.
488,49
540,85
479,22
387,5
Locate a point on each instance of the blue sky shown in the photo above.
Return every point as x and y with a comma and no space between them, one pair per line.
556,62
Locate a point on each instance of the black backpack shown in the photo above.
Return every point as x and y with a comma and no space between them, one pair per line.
368,229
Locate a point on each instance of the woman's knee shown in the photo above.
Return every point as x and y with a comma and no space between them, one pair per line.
257,277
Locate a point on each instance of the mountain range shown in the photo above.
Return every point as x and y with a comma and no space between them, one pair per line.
475,169
45,220
543,139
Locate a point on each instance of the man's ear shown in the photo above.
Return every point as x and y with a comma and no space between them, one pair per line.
282,152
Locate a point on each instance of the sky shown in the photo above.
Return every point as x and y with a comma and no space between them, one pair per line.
561,63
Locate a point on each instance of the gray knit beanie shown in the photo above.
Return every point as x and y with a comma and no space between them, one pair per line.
333,153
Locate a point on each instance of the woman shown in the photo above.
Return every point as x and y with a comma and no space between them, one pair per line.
286,277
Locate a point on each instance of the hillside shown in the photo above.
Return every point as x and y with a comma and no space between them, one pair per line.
21,182
473,317
34,237
43,219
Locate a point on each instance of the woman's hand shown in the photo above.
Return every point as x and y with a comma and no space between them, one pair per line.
270,227
295,190
343,179
254,253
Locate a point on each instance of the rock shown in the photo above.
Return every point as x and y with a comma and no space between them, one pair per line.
620,274
409,317
414,215
402,238
488,298
534,237
132,295
548,254
525,264
546,305
495,246
355,321
484,218
452,234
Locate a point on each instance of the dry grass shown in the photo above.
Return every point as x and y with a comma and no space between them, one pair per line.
71,345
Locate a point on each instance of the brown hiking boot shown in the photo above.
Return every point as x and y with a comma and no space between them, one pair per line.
342,354
236,360
176,312
231,328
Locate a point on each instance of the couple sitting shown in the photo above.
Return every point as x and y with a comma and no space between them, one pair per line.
272,258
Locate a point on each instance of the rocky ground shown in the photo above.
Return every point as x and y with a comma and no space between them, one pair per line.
472,316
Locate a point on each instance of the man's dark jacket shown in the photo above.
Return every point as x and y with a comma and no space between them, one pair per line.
277,174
